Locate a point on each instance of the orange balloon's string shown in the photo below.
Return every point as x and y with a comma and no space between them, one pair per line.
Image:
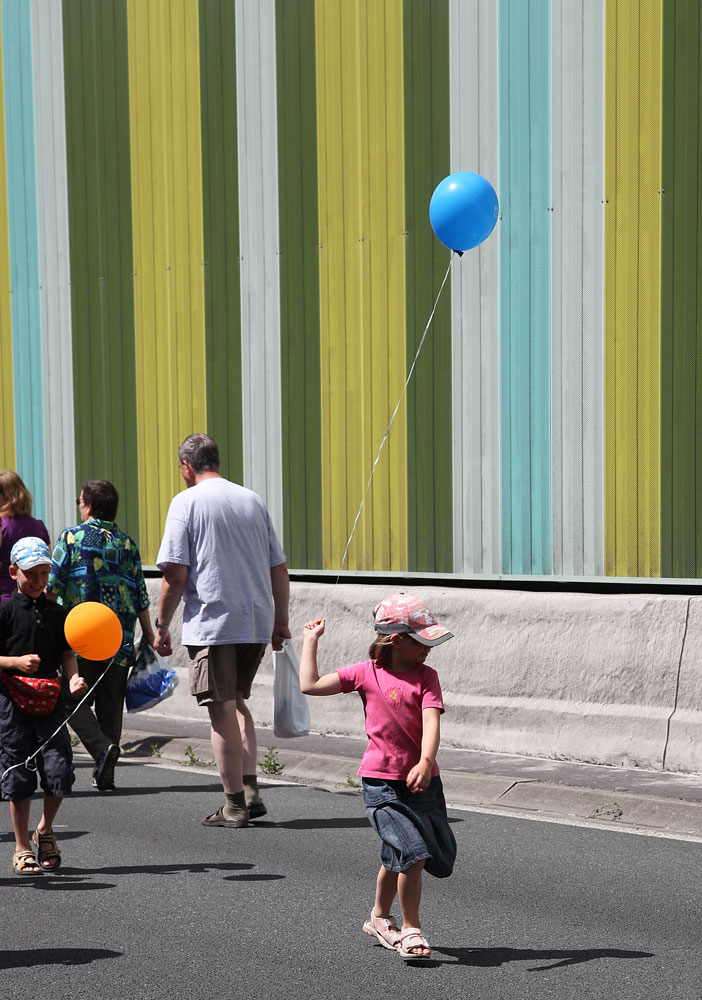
26,763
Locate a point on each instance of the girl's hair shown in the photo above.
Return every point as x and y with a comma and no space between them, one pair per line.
16,498
381,650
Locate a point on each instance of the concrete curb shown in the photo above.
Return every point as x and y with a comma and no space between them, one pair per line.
529,798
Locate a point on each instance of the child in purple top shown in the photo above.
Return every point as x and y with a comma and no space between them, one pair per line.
402,790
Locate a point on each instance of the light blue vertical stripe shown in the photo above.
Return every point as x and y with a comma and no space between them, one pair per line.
525,264
24,248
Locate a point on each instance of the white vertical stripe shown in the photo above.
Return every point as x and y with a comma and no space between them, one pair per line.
54,262
475,295
577,310
260,272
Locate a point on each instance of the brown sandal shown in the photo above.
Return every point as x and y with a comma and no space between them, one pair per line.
24,863
219,819
47,850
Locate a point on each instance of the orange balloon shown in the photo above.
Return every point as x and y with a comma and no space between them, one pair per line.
93,631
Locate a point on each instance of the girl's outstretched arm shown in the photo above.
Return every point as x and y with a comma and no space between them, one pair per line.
310,681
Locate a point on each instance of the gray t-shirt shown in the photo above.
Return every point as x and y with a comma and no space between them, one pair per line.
223,533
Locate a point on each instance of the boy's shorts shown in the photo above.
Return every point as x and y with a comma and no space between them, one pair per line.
219,673
413,826
20,736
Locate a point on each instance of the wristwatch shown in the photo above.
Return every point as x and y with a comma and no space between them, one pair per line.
162,624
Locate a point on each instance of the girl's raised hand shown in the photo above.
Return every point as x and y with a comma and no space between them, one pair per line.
313,629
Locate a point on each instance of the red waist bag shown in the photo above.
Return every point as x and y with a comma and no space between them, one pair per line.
33,695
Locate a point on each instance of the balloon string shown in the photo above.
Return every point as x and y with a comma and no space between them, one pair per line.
27,763
387,432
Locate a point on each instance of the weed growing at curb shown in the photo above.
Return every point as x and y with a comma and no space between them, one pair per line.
270,763
75,740
353,782
192,761
611,811
155,750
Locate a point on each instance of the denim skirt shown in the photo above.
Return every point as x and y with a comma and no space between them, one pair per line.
412,826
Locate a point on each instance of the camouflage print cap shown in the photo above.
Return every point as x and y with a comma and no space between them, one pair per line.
407,614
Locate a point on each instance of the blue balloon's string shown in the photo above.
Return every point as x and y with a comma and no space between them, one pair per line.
27,763
392,419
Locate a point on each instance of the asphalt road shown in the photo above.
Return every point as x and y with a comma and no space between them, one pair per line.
149,904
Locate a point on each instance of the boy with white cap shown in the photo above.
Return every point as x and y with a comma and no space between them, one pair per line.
33,648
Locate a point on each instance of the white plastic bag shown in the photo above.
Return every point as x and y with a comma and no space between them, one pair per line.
151,680
291,714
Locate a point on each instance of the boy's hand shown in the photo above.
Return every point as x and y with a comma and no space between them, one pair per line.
28,664
419,776
77,684
313,630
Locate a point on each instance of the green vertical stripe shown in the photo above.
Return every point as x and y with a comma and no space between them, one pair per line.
100,229
220,172
299,282
681,292
427,161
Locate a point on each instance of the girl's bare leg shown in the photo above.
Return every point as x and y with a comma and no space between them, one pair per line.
385,891
409,889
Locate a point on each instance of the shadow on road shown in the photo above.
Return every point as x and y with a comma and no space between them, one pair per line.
321,823
253,878
491,957
9,838
195,869
46,881
29,957
123,791
80,878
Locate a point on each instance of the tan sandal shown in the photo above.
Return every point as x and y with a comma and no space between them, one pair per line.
409,939
47,850
384,929
24,863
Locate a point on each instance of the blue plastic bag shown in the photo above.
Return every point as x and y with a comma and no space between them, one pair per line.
151,680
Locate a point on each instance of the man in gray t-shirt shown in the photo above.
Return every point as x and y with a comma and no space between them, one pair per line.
219,552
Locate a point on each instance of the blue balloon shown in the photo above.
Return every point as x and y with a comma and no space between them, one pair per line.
463,210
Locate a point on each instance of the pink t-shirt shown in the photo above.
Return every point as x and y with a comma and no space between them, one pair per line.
393,701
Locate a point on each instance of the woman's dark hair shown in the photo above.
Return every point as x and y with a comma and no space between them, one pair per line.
102,498
201,452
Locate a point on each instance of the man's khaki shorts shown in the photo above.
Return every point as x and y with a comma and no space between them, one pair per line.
219,673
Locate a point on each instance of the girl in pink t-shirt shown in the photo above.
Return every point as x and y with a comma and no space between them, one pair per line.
402,789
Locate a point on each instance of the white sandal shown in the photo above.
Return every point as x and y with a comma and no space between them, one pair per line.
384,929
405,949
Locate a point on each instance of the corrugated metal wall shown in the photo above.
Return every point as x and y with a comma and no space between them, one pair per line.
214,215
7,395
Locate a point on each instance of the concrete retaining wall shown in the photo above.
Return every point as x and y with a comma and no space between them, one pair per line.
602,679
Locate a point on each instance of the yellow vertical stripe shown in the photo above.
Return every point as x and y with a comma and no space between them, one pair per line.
7,395
164,108
362,278
633,136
